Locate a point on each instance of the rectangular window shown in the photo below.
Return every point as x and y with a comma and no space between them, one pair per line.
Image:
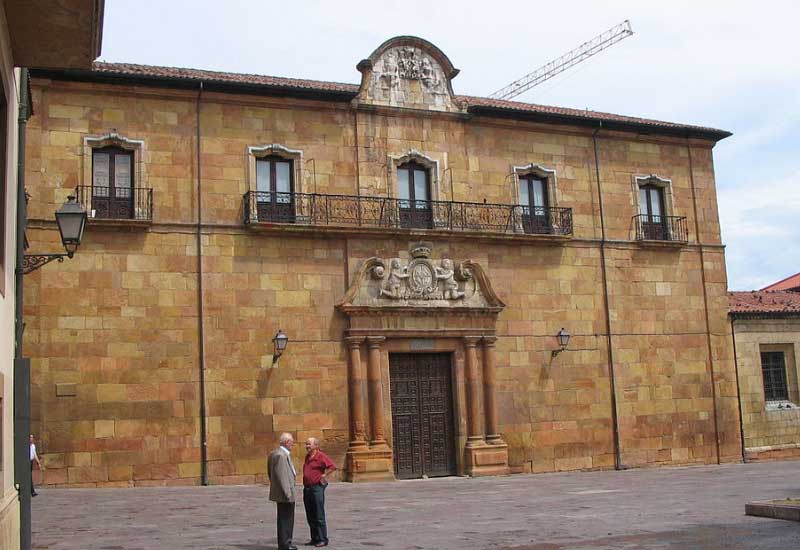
533,200
773,369
414,192
651,208
275,189
112,183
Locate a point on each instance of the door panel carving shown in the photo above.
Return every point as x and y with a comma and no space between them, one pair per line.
422,415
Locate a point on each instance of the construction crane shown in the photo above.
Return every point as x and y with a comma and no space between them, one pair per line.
583,52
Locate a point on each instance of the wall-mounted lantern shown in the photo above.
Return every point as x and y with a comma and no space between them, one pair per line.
563,341
278,345
71,220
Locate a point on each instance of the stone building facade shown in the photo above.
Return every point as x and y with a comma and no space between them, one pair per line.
420,249
765,326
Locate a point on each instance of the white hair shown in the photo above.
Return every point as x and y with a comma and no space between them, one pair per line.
285,436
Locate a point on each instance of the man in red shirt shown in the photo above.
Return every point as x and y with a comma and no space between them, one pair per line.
315,470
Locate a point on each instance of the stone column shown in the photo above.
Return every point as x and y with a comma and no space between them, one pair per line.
358,438
489,399
375,390
474,432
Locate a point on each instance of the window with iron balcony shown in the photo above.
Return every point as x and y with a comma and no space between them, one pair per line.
111,191
655,222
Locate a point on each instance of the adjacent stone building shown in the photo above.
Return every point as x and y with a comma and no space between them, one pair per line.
765,326
420,249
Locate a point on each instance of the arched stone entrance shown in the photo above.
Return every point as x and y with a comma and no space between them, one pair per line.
420,306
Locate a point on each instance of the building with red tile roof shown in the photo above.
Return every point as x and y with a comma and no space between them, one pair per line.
764,302
791,282
765,326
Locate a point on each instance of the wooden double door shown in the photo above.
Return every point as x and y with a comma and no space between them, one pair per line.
422,415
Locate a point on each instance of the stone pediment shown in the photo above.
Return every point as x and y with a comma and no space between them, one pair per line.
409,72
421,284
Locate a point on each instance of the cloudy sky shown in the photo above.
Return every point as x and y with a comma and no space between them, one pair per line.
726,64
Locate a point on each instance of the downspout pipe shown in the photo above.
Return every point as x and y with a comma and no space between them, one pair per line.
22,373
201,355
611,378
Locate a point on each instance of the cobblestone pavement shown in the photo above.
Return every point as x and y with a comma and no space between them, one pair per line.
699,508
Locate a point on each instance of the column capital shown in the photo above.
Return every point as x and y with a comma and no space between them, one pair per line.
354,341
375,341
489,340
471,341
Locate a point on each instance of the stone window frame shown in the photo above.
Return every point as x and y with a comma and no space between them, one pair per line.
792,378
532,169
665,184
255,152
412,155
114,139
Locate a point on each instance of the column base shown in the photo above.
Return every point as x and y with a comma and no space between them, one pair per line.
486,460
365,464
495,439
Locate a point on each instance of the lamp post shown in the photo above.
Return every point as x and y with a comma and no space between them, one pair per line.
279,345
563,341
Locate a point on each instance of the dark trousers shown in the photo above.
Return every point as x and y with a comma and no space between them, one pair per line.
33,489
285,524
314,501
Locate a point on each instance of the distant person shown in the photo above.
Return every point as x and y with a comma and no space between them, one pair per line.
316,468
34,458
282,475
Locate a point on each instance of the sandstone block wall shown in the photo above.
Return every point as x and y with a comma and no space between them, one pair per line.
114,332
769,432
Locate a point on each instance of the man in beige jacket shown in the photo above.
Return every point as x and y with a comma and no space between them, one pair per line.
282,475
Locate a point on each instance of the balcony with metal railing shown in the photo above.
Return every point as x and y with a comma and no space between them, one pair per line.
117,205
661,229
347,212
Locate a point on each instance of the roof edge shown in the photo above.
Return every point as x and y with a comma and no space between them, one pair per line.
348,92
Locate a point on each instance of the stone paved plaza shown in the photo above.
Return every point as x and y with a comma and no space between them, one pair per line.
694,508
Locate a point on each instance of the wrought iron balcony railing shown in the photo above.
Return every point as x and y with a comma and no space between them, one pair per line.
661,228
116,203
382,212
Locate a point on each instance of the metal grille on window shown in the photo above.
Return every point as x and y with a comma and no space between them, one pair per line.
773,368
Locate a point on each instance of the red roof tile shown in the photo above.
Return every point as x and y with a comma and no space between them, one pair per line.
772,302
175,73
130,69
789,283
595,115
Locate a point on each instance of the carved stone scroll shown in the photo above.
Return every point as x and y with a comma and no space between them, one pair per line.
407,71
421,281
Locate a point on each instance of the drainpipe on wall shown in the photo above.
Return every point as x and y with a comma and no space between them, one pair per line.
705,300
22,366
612,382
200,311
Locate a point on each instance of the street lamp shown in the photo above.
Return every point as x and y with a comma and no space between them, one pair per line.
279,345
71,220
563,340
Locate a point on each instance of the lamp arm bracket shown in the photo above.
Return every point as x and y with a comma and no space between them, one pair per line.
32,262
